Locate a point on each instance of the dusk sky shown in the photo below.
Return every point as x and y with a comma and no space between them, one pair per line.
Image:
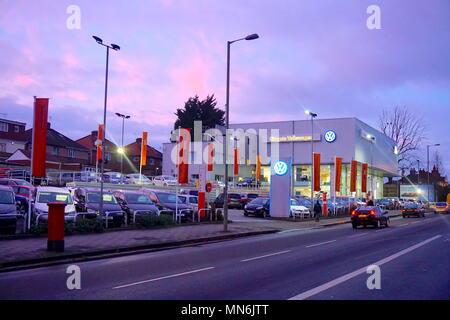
318,55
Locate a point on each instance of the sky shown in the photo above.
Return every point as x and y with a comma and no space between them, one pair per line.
317,55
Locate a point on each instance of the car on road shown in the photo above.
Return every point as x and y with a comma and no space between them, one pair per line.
298,210
8,210
88,202
165,181
114,177
166,202
136,204
413,209
441,207
258,207
45,195
373,215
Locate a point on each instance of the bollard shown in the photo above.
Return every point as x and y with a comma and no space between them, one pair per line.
55,240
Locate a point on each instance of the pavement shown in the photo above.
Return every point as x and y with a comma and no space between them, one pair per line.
319,263
31,251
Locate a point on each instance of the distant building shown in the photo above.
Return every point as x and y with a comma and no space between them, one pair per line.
12,137
62,153
133,153
112,157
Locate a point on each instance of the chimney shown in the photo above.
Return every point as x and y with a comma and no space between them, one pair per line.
48,125
139,140
94,134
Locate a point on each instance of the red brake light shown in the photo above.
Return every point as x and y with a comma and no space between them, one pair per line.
372,213
353,213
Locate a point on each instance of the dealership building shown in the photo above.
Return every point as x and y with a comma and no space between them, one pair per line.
347,138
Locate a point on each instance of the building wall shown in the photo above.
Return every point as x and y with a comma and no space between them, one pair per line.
11,146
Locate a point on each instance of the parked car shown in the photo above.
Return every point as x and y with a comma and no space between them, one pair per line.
44,195
364,216
413,209
190,200
88,201
217,184
441,207
258,207
15,182
114,177
297,210
8,210
166,202
137,178
22,194
165,181
136,203
235,200
248,182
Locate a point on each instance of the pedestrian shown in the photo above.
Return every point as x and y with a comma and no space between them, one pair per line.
317,210
370,203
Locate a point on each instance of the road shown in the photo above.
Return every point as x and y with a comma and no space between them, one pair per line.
328,263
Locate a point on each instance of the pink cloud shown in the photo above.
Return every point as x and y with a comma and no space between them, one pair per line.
71,61
23,80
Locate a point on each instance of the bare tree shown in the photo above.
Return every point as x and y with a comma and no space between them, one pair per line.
406,129
437,162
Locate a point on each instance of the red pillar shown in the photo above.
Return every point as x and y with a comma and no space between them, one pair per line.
55,241
324,207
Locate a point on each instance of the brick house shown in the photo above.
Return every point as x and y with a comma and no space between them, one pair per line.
133,152
12,137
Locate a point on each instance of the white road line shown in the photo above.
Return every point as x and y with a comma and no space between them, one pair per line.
292,230
319,244
353,274
415,222
267,255
358,235
162,278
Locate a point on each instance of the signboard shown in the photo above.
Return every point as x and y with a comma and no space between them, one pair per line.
280,188
202,178
330,136
280,168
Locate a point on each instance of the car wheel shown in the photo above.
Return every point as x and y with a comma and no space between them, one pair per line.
245,214
264,215
354,225
404,216
377,224
386,223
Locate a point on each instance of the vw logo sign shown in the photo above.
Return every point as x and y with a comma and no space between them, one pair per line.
330,136
280,168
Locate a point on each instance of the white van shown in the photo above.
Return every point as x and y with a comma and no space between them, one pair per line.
44,195
165,181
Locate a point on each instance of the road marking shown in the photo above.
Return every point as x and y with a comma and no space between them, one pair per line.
415,222
162,278
353,274
267,255
319,244
358,235
292,230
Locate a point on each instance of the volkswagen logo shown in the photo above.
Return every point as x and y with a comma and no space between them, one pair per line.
280,168
330,136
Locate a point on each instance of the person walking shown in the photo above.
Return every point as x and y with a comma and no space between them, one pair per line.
317,210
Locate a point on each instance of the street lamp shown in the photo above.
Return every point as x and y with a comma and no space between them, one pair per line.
116,48
428,169
313,115
121,150
227,119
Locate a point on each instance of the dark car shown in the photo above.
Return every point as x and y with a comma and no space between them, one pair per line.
364,216
247,182
258,207
88,202
413,209
166,202
235,200
8,210
136,204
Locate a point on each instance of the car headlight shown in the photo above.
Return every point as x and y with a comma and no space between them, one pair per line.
259,208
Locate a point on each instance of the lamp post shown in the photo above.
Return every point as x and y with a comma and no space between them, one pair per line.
227,119
313,115
428,169
116,48
121,150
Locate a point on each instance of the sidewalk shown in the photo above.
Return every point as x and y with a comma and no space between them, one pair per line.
19,252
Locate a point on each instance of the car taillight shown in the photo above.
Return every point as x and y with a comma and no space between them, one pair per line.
372,213
403,210
353,213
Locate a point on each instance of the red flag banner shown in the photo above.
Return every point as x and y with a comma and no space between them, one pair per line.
324,206
236,159
337,174
258,167
316,169
210,156
39,139
353,168
364,170
201,204
184,140
144,149
100,137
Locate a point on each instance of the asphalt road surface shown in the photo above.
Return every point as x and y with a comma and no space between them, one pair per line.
330,263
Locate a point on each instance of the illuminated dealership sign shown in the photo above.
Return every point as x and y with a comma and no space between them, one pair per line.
280,168
294,138
330,136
